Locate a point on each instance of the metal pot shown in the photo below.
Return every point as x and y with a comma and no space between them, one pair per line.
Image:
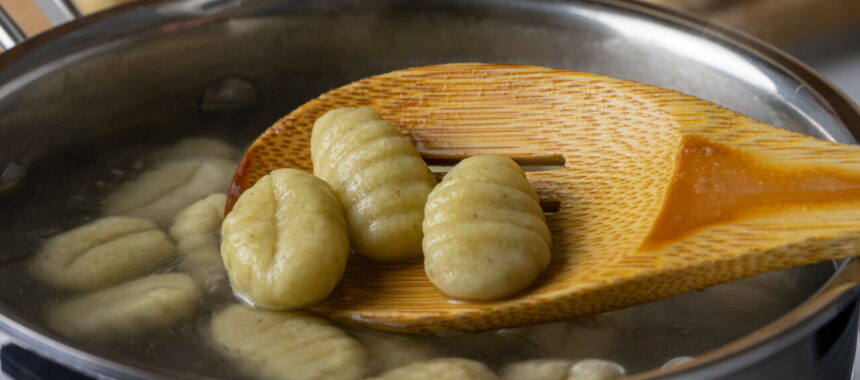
122,72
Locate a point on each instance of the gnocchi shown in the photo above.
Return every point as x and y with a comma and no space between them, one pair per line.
537,369
485,236
387,352
101,253
196,231
595,369
146,304
440,369
197,147
159,194
285,244
564,339
559,369
380,178
286,345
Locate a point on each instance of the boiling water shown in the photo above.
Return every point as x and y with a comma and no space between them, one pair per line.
67,190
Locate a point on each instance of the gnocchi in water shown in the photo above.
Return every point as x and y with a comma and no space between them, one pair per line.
441,369
197,231
159,194
197,147
286,345
595,369
285,244
537,369
558,369
564,339
485,236
389,351
104,252
146,304
380,178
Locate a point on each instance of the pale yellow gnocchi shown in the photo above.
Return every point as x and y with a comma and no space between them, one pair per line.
441,369
198,148
389,351
485,236
159,194
286,345
560,369
285,244
197,232
146,304
595,369
101,253
537,369
380,178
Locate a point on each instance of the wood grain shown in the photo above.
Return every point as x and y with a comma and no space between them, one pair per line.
619,140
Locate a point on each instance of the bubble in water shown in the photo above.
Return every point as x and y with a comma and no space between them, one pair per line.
227,95
12,176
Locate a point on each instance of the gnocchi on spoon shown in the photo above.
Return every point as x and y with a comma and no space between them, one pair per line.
648,193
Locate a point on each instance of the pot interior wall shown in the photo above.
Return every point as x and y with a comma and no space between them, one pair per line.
78,111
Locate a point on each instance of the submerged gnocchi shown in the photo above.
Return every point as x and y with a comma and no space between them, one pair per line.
559,369
146,304
380,178
485,236
387,352
101,253
285,244
287,345
441,369
537,369
198,148
197,232
159,194
595,369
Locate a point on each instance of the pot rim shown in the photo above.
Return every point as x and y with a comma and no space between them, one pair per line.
836,294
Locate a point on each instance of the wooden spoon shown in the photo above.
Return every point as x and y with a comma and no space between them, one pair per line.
657,193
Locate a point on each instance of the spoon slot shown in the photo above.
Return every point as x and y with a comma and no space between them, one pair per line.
441,164
550,205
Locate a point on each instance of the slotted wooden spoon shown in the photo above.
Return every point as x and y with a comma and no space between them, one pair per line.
658,193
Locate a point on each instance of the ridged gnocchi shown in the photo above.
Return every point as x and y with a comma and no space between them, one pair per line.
380,178
485,236
101,253
285,244
197,231
146,304
440,369
286,345
159,194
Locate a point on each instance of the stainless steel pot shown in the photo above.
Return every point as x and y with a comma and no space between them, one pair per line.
155,62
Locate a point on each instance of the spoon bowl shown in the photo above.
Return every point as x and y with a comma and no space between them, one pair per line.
649,193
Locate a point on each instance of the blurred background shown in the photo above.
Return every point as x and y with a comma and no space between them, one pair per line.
823,33
782,22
